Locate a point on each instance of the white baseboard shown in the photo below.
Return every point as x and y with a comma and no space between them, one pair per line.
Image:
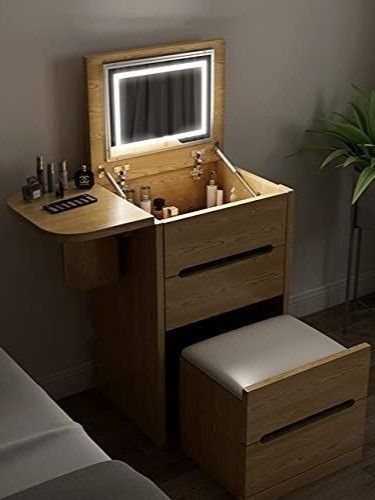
317,299
79,378
64,383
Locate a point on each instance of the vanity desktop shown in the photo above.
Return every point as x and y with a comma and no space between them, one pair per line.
156,118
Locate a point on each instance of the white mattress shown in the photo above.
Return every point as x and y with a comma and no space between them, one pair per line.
52,455
38,441
25,408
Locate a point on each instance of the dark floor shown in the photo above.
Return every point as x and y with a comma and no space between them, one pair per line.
180,478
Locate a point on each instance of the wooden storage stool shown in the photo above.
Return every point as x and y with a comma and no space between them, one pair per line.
271,407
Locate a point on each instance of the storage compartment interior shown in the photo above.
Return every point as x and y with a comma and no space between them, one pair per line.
180,189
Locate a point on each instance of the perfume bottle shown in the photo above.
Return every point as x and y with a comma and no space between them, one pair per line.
145,198
40,174
63,173
84,178
130,195
211,192
51,177
32,189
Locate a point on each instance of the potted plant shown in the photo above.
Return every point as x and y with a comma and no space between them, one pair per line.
352,140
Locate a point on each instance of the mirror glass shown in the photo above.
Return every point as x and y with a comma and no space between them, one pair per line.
157,103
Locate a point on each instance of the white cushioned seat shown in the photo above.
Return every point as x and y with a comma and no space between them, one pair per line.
254,353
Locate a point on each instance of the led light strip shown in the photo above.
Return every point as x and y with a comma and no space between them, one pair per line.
168,68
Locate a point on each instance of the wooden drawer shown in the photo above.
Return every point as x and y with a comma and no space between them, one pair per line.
224,285
207,236
296,452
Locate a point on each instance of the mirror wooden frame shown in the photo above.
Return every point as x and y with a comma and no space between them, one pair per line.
164,160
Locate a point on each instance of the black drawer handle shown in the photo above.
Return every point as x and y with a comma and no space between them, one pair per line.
214,264
307,421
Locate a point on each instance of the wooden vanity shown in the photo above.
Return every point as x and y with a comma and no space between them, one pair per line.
152,280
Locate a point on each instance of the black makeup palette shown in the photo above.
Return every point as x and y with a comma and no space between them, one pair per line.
70,203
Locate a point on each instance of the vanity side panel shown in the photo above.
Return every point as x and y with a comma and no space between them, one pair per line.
130,346
288,249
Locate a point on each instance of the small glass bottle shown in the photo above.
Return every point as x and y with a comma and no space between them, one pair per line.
145,198
51,177
63,173
84,178
32,189
158,205
211,192
40,174
130,195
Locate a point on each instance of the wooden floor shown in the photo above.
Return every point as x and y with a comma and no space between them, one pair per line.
180,478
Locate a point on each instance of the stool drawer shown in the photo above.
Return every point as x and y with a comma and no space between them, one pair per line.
293,453
224,285
224,231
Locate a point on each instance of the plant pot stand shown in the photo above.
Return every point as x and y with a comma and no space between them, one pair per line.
362,218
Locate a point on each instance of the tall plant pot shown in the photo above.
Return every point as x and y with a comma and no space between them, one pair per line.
366,209
362,218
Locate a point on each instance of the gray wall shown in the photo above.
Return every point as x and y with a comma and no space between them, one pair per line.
287,61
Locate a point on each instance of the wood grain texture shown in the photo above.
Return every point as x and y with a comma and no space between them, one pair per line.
182,479
130,347
109,216
91,264
305,391
227,180
216,427
177,187
211,431
214,291
310,476
262,185
269,464
219,233
168,159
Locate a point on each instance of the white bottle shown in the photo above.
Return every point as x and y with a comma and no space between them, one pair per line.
145,198
211,193
219,197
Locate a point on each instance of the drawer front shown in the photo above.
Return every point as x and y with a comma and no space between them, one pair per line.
223,286
222,232
302,450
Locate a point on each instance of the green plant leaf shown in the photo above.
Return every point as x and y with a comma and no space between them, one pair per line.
302,151
352,148
359,116
344,118
365,178
362,99
365,108
351,160
360,92
366,152
350,133
333,156
371,117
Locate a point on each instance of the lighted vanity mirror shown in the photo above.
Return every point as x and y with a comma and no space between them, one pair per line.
158,102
